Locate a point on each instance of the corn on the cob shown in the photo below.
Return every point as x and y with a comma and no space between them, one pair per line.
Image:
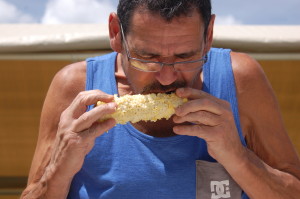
151,107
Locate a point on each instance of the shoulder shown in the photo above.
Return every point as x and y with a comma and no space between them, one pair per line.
255,95
65,86
250,78
247,71
71,73
70,80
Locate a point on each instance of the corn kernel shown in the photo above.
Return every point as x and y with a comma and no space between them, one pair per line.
151,107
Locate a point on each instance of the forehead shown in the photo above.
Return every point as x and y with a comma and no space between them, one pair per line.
152,30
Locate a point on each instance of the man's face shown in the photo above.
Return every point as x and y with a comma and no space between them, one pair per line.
151,38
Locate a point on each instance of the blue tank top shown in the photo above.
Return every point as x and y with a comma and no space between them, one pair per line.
126,163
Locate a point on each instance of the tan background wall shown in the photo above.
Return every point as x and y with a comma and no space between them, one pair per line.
23,86
285,79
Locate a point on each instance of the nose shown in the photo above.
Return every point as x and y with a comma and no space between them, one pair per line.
167,75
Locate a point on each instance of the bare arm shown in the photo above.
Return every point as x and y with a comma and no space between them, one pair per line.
269,168
66,133
272,166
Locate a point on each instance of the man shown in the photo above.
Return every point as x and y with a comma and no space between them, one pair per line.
227,141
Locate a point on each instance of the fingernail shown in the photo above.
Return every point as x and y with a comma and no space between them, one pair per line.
178,111
175,118
112,105
179,91
175,129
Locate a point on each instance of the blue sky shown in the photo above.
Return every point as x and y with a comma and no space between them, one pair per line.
254,12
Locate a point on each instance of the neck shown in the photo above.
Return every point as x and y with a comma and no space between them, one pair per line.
160,128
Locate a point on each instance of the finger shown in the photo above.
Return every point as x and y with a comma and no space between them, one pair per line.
191,93
200,131
98,128
86,98
204,101
199,117
201,104
87,119
91,97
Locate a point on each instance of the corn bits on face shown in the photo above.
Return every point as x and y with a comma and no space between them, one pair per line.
151,107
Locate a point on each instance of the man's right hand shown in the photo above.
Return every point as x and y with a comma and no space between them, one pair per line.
77,131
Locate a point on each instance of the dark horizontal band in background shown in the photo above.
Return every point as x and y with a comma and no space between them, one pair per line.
13,182
12,185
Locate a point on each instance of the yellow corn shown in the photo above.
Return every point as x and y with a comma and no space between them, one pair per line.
151,107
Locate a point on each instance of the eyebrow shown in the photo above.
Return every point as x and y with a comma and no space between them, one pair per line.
141,52
187,54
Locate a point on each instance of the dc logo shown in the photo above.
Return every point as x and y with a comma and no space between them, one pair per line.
219,189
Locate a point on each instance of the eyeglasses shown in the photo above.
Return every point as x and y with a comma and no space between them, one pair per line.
155,66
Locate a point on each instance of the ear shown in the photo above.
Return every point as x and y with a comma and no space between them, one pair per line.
210,34
114,33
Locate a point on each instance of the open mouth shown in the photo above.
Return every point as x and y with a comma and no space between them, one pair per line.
170,92
162,91
156,92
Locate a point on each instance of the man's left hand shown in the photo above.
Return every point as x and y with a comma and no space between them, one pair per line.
212,120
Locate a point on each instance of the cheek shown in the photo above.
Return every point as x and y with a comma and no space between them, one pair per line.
138,80
191,78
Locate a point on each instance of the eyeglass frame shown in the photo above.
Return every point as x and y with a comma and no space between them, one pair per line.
203,59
